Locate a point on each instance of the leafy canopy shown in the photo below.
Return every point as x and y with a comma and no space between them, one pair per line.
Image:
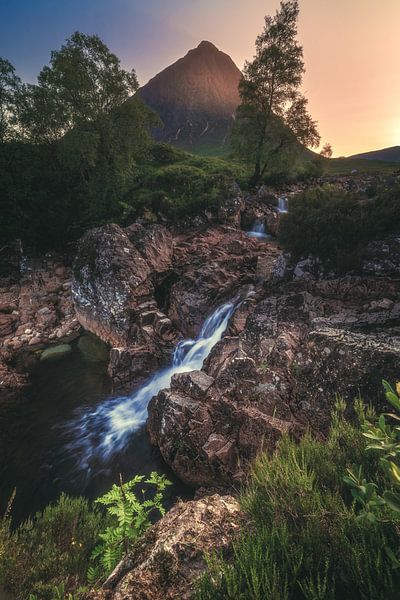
83,81
272,116
10,83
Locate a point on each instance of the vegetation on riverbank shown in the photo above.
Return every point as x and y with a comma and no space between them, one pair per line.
73,545
322,522
339,224
311,535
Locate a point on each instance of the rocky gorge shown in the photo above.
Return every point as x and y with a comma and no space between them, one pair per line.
298,338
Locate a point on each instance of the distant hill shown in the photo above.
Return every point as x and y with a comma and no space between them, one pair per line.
386,154
196,98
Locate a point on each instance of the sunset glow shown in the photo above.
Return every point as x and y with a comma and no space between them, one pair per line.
351,50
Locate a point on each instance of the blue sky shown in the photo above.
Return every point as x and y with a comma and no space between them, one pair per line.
351,49
145,35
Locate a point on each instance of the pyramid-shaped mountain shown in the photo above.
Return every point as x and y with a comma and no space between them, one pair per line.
196,98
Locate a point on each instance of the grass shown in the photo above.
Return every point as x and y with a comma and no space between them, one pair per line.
303,539
344,166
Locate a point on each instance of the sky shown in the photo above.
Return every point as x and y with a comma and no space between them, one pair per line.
351,49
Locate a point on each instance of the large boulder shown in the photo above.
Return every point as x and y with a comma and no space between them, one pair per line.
113,285
170,557
279,372
110,279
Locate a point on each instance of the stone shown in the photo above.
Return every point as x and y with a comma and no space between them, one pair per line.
56,351
171,556
8,324
195,383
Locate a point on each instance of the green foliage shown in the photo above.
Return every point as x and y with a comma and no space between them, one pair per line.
178,184
272,118
10,84
304,540
338,224
86,137
129,518
384,441
83,82
50,551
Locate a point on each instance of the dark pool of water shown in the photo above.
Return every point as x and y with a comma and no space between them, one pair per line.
33,458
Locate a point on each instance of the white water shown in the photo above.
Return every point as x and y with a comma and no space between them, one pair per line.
283,204
105,430
258,231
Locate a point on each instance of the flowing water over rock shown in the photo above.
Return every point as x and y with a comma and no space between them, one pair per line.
283,205
258,231
101,433
32,443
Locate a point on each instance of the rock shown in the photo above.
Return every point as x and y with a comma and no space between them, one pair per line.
279,372
56,351
155,245
110,279
114,293
8,324
196,383
170,557
229,212
257,210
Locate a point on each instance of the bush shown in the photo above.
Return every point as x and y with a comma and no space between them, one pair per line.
304,540
55,554
129,517
51,549
384,440
178,184
338,224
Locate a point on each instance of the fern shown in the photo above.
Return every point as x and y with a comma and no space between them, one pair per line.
129,518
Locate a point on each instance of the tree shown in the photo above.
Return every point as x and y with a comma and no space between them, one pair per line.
272,116
83,82
326,151
10,83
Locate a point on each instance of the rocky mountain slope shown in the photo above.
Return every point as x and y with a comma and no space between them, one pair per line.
196,98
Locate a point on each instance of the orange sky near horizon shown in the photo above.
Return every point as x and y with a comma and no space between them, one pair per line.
351,51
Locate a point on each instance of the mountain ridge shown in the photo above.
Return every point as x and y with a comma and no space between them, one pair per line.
390,154
196,97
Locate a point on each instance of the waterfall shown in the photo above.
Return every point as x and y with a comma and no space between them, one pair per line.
283,204
104,431
258,231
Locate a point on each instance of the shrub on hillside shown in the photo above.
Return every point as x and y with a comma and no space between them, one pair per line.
178,184
305,540
334,225
51,549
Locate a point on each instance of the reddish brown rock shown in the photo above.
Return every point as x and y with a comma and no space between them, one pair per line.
170,557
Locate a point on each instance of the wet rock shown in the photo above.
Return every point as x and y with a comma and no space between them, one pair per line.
256,210
55,351
229,212
196,383
280,372
170,557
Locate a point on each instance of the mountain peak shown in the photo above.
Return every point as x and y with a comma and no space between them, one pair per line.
196,96
206,45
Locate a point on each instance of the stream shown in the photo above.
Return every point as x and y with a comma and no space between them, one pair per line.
33,454
67,434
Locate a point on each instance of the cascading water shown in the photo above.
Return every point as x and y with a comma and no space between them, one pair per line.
258,231
283,204
104,431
